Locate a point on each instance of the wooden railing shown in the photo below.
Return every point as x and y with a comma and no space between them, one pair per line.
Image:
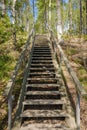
23,58
79,88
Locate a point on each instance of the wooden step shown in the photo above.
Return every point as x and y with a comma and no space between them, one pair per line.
43,102
42,46
38,55
45,126
43,69
43,85
42,80
42,61
41,75
51,88
43,106
44,114
42,96
43,93
42,53
41,58
42,65
42,49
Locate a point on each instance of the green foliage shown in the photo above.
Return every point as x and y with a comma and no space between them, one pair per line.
83,77
5,66
21,38
72,51
82,71
5,29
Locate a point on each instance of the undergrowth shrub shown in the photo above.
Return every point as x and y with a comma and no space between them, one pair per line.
5,29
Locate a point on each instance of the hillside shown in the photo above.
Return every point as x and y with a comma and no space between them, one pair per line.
76,51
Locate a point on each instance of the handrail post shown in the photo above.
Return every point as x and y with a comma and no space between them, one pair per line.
60,60
9,112
78,111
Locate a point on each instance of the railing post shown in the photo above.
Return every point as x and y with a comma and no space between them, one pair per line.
9,112
78,111
60,60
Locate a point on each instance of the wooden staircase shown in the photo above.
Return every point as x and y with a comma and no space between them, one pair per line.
45,100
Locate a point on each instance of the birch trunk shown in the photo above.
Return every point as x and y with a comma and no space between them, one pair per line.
27,19
34,10
14,21
59,23
3,7
50,13
45,14
13,11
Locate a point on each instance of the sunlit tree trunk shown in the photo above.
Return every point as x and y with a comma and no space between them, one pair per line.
34,10
45,14
50,13
14,21
27,19
13,11
3,7
59,23
80,16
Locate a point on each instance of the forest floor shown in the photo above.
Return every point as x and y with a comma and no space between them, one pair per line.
76,51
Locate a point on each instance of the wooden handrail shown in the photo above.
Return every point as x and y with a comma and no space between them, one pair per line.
78,85
10,85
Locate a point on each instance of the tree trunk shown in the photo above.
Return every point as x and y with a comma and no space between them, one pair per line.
59,23
27,19
86,16
50,13
3,7
80,16
14,21
45,14
70,15
27,24
34,10
13,11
